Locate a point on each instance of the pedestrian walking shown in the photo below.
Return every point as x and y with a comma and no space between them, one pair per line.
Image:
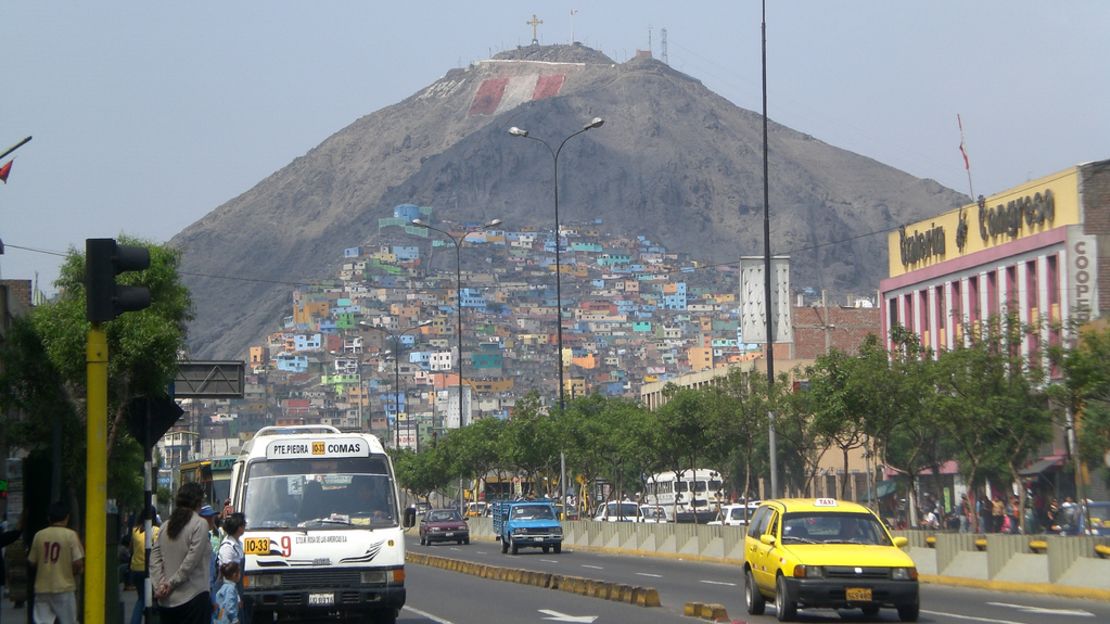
57,558
228,605
179,562
964,510
137,565
998,513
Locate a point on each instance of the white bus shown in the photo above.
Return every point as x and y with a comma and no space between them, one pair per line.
324,529
687,496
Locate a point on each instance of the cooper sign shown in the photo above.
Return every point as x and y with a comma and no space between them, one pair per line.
1082,274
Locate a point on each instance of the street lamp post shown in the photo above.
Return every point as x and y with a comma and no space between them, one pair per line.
596,122
395,337
458,292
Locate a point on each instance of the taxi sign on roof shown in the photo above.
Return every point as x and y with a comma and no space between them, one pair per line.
316,449
825,502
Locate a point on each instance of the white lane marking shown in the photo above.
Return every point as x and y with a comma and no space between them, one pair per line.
1043,610
563,617
550,560
718,583
592,567
651,575
973,618
427,615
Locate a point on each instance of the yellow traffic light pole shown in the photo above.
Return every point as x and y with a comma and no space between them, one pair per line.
96,468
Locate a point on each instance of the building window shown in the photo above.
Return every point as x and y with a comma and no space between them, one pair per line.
957,312
923,322
1012,290
1032,306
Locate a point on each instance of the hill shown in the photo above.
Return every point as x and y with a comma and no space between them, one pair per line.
674,162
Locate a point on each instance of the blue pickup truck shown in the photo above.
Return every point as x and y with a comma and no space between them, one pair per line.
527,523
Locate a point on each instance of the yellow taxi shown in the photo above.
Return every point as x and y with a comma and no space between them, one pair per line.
825,553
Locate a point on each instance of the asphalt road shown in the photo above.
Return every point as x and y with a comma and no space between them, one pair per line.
680,581
442,597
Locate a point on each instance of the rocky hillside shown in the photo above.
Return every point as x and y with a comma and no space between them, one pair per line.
673,161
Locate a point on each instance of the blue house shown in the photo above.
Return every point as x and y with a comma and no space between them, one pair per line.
292,363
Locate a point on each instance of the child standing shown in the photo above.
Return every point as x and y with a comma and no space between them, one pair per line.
226,607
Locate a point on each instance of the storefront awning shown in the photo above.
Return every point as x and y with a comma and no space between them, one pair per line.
1041,465
882,489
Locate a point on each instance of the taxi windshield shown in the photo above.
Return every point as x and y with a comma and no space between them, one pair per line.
823,527
320,493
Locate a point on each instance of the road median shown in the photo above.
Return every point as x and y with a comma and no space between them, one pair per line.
605,590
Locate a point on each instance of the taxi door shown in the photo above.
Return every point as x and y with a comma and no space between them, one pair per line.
762,556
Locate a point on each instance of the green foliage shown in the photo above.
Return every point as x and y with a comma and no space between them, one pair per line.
44,377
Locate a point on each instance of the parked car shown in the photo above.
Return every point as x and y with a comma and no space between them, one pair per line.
653,514
444,525
735,514
825,553
477,510
618,511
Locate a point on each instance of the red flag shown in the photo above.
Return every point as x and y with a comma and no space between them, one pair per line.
967,164
5,170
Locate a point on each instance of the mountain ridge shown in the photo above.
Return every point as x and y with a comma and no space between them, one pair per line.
673,161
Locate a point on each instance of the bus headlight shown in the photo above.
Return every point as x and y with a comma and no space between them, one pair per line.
263,581
372,578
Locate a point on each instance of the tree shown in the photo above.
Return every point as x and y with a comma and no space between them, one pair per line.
737,411
1086,391
143,348
839,415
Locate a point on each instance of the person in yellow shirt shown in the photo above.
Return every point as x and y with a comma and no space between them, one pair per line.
138,560
57,558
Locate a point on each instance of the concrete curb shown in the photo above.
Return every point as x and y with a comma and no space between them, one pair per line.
634,595
1047,589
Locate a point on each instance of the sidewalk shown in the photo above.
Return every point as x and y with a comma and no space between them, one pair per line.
10,615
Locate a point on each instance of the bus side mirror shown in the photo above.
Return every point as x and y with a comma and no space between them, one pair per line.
410,517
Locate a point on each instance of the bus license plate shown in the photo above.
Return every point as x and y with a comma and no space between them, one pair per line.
857,594
321,600
256,546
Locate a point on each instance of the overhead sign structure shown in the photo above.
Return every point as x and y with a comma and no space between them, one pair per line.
211,379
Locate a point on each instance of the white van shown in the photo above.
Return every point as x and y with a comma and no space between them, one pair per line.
324,530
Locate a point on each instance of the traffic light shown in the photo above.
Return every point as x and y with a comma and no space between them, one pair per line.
104,259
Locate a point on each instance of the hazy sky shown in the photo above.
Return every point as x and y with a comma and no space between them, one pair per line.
148,115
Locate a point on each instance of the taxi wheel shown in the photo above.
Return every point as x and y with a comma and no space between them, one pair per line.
784,602
423,541
909,613
755,601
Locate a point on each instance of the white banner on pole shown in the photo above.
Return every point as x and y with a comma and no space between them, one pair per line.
753,311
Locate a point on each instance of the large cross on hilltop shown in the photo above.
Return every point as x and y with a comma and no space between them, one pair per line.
534,22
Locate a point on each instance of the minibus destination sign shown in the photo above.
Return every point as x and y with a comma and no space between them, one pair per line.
314,449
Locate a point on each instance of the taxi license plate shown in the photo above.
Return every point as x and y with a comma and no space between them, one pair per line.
321,599
861,594
256,546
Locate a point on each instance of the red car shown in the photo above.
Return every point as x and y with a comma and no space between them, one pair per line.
443,525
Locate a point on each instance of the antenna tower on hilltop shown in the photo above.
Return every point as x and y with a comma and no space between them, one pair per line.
663,45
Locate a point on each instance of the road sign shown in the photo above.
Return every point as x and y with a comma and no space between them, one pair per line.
213,379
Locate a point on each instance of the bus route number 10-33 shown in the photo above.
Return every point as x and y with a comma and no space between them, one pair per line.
262,546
